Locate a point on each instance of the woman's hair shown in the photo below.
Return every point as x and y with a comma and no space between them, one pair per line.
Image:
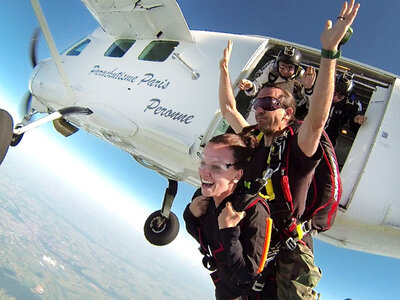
242,146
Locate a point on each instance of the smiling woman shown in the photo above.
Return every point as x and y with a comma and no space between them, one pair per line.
233,229
70,20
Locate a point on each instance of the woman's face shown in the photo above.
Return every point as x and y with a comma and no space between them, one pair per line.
217,173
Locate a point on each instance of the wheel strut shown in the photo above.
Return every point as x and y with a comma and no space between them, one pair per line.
162,226
169,196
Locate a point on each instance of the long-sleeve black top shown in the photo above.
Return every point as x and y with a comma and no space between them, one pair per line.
238,251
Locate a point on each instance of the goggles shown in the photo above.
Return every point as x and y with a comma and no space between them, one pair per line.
267,103
289,67
340,96
216,167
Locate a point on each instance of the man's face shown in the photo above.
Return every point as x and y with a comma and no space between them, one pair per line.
286,70
337,97
270,122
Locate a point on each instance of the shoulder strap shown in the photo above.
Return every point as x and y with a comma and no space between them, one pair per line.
249,200
273,75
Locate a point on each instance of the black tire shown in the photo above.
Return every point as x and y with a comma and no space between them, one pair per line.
6,133
159,230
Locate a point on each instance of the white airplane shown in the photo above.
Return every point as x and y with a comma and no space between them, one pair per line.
147,84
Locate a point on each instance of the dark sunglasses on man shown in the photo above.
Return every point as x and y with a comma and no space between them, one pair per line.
267,103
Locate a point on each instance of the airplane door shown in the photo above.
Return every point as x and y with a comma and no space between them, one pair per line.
373,160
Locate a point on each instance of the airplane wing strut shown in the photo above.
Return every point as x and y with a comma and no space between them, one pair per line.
53,50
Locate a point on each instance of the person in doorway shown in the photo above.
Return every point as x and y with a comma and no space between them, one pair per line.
286,68
345,107
275,109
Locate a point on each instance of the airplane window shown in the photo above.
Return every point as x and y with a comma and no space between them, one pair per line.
119,48
158,50
79,48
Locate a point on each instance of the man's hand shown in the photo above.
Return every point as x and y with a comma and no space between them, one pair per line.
198,206
360,119
224,62
245,84
308,78
332,36
229,217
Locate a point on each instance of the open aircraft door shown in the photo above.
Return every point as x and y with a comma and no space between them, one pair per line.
368,161
372,160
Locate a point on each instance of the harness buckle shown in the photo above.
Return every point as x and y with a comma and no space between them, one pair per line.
306,227
291,243
258,286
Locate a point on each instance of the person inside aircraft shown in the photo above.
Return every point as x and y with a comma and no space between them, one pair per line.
285,68
233,241
345,107
296,274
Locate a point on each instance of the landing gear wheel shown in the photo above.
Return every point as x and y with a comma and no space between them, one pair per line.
16,138
6,133
160,230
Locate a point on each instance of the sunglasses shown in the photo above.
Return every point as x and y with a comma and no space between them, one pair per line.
216,167
267,103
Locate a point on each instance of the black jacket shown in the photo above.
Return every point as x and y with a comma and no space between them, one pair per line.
340,113
238,251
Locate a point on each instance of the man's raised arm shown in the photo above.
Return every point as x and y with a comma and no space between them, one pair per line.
227,101
321,100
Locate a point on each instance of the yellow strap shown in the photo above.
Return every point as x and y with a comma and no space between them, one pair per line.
267,242
263,196
259,136
270,195
270,190
299,230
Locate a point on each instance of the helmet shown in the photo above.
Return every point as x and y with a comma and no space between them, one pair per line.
344,84
290,55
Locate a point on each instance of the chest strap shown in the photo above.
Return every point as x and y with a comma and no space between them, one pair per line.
263,186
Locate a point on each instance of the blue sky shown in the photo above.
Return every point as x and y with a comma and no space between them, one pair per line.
375,42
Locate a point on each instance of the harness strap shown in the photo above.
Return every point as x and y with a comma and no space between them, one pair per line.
274,164
267,241
273,75
262,278
296,231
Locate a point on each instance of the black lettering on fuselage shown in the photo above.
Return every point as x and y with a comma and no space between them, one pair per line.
149,80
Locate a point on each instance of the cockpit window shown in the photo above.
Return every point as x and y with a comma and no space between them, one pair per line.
158,50
78,48
119,48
